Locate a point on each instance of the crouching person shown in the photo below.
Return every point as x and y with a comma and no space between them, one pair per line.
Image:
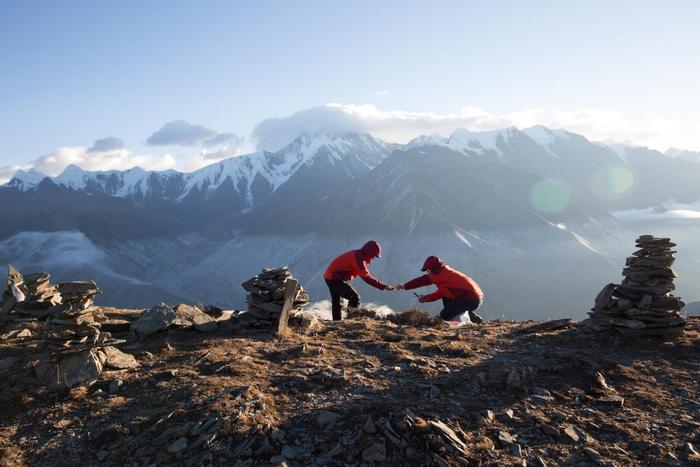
459,293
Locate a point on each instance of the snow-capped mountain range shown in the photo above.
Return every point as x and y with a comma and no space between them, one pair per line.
251,177
471,178
254,176
493,203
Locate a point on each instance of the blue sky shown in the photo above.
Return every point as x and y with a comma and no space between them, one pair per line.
76,71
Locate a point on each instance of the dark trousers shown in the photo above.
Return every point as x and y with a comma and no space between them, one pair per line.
454,308
341,289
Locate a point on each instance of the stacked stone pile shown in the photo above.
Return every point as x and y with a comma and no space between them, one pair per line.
272,295
76,345
642,305
72,327
32,294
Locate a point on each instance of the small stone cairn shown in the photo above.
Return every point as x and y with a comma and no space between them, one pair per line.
32,294
72,327
642,305
272,295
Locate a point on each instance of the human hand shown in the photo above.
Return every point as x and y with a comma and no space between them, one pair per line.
400,287
422,298
390,287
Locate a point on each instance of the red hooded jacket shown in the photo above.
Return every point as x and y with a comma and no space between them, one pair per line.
354,263
451,284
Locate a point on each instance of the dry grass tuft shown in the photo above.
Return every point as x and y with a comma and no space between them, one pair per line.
417,318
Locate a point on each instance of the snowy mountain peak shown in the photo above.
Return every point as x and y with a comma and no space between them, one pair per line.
338,145
268,171
544,136
480,142
427,140
134,182
25,180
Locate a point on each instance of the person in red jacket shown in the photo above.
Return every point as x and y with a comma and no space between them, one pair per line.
459,293
345,268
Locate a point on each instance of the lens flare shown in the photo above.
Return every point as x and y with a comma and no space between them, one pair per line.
550,195
612,182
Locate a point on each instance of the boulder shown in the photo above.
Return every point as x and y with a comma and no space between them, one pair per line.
151,321
188,316
118,360
79,369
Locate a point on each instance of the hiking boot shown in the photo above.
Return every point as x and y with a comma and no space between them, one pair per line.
476,319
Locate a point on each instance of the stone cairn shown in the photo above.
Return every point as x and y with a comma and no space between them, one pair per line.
72,327
272,295
73,338
31,294
642,305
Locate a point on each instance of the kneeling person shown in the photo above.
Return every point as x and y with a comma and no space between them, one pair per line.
459,293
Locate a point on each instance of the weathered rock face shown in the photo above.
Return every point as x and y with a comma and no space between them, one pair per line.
153,320
78,369
642,305
117,360
270,299
188,316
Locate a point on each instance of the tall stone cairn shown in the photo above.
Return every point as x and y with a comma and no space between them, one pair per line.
642,305
267,293
73,338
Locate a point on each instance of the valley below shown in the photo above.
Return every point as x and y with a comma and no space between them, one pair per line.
547,272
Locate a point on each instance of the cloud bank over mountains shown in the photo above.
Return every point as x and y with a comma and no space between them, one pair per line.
99,159
203,145
597,124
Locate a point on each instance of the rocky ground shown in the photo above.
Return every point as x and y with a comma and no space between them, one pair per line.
364,392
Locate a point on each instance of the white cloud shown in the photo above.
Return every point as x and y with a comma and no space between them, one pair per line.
205,156
391,125
597,124
109,154
601,124
8,171
116,159
181,133
224,139
106,144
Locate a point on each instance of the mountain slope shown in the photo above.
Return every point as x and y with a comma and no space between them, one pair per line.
49,207
433,188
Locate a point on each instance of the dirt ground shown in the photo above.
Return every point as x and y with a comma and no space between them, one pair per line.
365,392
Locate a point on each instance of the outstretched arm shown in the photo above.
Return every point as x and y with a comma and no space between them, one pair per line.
371,280
421,281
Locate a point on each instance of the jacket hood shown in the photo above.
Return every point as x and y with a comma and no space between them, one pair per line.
371,250
433,264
